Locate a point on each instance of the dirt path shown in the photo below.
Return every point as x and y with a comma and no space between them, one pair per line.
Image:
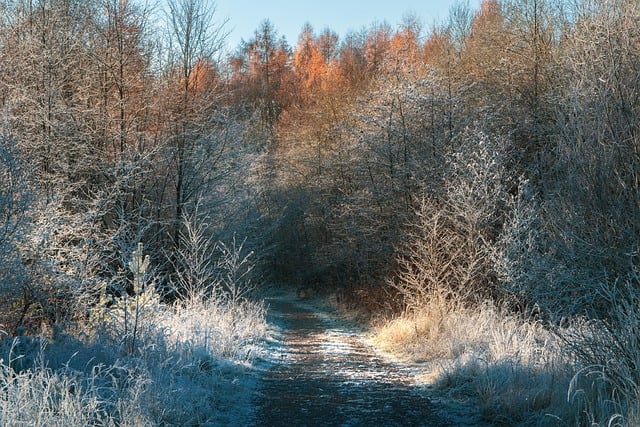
327,375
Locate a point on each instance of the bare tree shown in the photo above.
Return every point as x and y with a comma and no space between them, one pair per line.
196,127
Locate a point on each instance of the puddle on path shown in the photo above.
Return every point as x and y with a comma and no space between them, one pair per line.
327,376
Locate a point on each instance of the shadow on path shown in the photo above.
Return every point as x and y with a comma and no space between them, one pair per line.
327,376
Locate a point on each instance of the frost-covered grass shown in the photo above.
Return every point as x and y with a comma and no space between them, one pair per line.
191,367
513,371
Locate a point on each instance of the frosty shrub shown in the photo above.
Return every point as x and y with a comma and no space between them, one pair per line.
208,269
194,267
234,267
15,200
523,269
449,249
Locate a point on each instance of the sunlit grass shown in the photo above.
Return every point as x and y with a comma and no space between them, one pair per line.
514,371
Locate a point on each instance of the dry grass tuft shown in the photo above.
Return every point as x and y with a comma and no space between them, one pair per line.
513,369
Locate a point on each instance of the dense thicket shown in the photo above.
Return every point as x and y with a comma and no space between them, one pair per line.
502,144
507,135
114,131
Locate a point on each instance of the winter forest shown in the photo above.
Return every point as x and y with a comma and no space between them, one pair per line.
471,191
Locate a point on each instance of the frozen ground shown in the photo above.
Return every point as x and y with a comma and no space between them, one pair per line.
322,372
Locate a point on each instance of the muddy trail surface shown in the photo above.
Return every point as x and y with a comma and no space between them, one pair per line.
326,375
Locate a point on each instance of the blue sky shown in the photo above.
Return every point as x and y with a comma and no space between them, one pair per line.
288,16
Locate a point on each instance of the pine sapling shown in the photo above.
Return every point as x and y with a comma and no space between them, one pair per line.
138,266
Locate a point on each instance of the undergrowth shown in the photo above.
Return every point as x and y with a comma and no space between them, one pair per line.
137,361
192,370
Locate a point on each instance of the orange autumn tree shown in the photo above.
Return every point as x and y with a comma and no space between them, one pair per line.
487,43
265,67
405,48
437,48
377,46
309,63
351,64
203,77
